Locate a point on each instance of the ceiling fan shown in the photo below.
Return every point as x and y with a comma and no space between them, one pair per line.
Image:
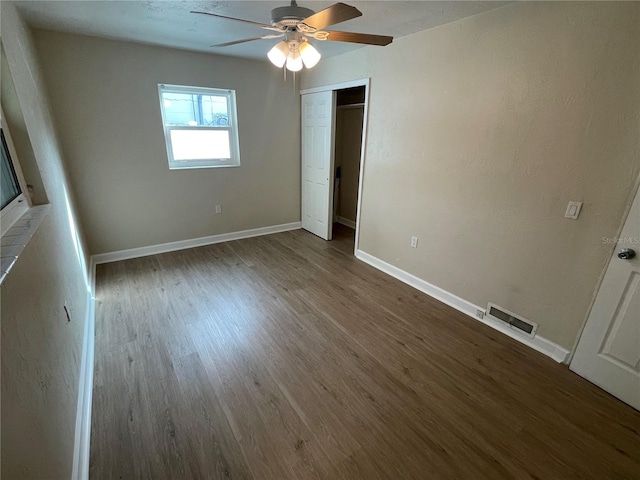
296,25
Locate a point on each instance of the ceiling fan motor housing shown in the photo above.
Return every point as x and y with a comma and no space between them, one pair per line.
289,16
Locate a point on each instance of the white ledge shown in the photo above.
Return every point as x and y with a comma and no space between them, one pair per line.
17,238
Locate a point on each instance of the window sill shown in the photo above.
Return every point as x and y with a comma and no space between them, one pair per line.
18,236
192,166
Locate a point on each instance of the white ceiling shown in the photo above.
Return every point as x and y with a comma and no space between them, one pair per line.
169,23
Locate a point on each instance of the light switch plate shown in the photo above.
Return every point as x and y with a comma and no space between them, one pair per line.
573,210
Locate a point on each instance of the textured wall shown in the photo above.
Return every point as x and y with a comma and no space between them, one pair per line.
40,349
104,98
480,132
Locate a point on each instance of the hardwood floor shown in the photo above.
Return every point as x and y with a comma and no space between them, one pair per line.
284,357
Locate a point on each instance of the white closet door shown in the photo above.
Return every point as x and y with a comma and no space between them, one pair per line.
317,162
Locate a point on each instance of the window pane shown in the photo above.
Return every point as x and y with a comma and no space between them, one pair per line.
9,187
200,144
183,109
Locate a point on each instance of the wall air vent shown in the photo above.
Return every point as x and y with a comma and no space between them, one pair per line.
514,321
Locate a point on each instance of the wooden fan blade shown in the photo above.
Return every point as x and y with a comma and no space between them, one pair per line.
336,13
235,42
365,38
261,25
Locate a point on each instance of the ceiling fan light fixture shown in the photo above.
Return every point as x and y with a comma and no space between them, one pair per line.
278,54
296,24
294,61
310,56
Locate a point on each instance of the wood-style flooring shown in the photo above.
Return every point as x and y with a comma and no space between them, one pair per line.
284,357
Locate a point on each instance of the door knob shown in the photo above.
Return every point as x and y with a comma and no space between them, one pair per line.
626,254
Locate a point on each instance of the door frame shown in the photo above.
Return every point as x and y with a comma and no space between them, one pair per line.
364,82
632,195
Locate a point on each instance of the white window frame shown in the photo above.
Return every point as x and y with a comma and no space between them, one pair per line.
20,205
232,128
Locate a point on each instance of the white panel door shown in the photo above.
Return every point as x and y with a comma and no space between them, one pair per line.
608,352
317,162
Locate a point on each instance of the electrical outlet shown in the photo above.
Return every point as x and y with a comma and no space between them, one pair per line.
480,314
414,242
218,209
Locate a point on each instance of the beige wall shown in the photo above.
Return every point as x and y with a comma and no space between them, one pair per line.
40,349
347,156
481,131
104,97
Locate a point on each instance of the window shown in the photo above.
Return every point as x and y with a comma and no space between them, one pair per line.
10,188
200,126
14,203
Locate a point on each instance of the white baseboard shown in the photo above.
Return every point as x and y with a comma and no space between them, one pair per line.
346,222
538,343
191,243
85,392
541,344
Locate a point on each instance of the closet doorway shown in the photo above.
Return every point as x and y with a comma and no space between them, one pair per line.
334,203
349,115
